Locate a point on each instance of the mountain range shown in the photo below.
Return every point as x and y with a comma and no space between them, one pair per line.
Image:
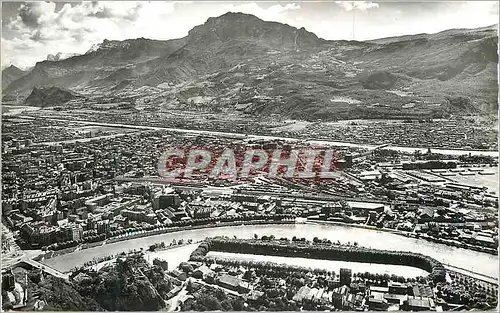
239,62
10,74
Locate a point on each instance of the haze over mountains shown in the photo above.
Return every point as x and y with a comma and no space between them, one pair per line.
239,62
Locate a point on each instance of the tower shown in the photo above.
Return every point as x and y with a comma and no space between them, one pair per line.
345,276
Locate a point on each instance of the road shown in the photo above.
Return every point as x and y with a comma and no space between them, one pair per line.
486,278
27,257
174,302
288,139
53,143
9,242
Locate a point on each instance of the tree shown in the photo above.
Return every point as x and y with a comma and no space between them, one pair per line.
238,304
207,302
226,305
186,267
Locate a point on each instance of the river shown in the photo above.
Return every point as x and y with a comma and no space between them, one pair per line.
13,110
482,263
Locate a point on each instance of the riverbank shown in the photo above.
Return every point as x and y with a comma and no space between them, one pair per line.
447,242
131,236
483,263
465,272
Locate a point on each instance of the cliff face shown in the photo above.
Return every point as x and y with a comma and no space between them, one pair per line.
50,96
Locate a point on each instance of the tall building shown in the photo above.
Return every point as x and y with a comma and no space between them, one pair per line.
77,232
103,227
8,281
345,276
348,159
164,201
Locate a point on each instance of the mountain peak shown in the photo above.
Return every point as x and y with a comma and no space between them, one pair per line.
9,74
12,67
60,56
235,25
50,96
235,16
107,44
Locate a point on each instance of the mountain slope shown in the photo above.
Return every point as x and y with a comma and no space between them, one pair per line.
239,62
50,96
11,74
223,42
94,66
458,63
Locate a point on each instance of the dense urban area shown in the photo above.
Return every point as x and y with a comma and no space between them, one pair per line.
71,186
249,165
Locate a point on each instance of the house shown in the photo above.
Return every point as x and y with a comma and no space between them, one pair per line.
377,304
81,277
254,295
180,275
345,276
333,282
173,292
423,304
202,272
301,294
427,214
312,293
357,287
422,290
234,283
327,297
244,287
379,289
161,263
485,241
395,298
216,267
339,300
339,297
398,288
353,302
8,281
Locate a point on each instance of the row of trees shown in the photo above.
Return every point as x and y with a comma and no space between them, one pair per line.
278,270
203,221
207,298
62,245
93,237
162,245
324,252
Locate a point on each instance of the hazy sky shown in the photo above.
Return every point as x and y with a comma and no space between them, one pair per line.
32,30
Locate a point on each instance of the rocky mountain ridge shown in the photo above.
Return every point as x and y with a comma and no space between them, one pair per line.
11,74
239,62
50,96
